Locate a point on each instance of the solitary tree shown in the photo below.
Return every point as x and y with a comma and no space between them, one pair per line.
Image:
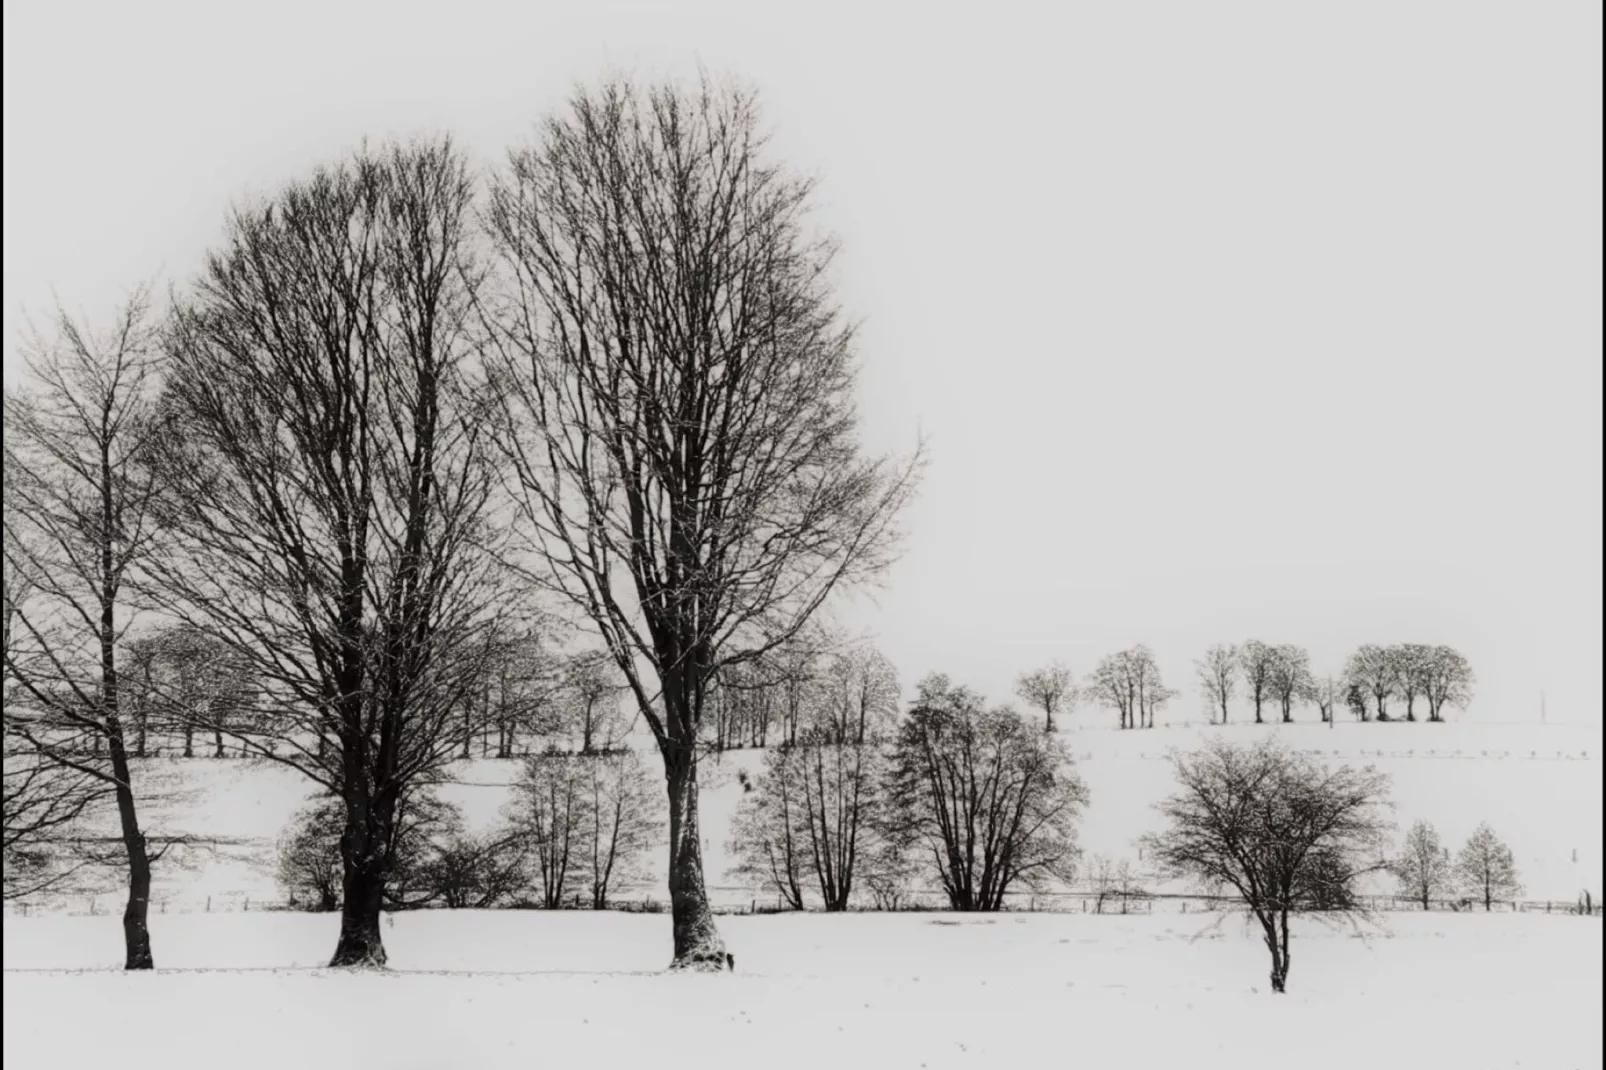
1423,866
1257,661
1217,672
1486,868
1276,831
330,482
79,493
986,802
1048,689
678,383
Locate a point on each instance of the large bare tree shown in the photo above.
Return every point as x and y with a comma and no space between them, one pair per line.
679,384
1256,660
330,484
78,520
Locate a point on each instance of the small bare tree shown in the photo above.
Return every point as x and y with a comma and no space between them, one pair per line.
1049,689
858,695
1486,868
986,801
1290,680
1423,867
1256,662
1448,680
625,811
78,521
1278,832
1217,672
592,690
769,837
678,384
552,810
1375,672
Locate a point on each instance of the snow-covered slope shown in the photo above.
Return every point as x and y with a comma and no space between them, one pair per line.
1539,786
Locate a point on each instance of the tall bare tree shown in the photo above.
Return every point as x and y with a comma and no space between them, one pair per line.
1273,829
78,520
1217,673
679,386
625,811
592,690
1049,689
331,484
1414,664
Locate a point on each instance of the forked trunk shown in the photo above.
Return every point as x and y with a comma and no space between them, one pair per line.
697,942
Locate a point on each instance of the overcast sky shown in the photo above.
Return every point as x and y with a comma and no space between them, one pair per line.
1222,320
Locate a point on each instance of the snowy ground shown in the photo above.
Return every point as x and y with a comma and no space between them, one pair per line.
525,989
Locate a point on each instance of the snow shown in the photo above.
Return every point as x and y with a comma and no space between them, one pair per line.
1539,785
520,989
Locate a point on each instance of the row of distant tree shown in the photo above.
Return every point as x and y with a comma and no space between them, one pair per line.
1268,676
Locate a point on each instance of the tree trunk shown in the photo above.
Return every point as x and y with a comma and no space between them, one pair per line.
189,738
697,942
136,933
217,744
363,858
1258,719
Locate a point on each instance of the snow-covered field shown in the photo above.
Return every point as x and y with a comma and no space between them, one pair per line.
1540,786
525,989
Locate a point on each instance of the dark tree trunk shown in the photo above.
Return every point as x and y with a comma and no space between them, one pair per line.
136,932
1258,700
189,738
217,744
363,851
697,942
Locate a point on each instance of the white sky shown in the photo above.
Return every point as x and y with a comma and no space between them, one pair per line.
1223,320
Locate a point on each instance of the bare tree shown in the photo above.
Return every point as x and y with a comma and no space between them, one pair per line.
1152,694
1049,689
769,837
1375,670
1290,680
1256,661
1327,693
858,695
1218,676
1110,880
328,520
77,521
593,689
678,382
552,808
1486,869
1113,684
1448,680
1414,663
1423,867
1270,827
986,802
625,812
